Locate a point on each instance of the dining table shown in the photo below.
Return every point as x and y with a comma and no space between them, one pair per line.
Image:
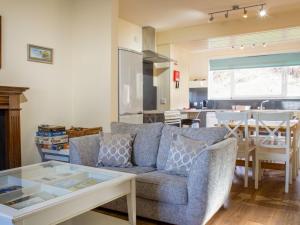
294,135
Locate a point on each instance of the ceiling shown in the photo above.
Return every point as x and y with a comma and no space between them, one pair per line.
168,14
249,40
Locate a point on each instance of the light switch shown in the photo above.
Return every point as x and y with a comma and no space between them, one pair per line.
163,101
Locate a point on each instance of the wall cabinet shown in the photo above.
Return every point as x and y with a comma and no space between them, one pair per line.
198,84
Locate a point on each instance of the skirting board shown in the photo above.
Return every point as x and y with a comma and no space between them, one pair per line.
95,218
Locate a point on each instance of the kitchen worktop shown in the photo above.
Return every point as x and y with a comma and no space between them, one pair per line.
218,110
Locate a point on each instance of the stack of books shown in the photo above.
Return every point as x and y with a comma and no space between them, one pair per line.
53,143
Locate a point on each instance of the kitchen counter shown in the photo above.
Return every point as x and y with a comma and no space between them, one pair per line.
230,110
207,116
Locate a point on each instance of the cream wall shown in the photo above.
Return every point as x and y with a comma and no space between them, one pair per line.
45,23
180,96
176,98
94,62
129,35
80,87
199,62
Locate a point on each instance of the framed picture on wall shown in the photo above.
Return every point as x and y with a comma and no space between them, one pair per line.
39,54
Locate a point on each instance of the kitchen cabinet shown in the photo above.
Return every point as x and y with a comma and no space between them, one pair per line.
211,119
198,84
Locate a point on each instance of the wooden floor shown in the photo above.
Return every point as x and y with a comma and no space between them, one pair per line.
269,205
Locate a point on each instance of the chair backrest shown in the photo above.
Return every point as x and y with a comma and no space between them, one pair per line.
296,115
271,124
172,117
236,123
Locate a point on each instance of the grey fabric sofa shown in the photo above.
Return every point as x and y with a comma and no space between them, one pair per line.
191,200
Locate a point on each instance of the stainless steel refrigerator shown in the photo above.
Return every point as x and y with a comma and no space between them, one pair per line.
130,86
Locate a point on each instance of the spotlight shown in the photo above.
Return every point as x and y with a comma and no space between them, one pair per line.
226,14
264,44
242,47
262,11
245,15
211,17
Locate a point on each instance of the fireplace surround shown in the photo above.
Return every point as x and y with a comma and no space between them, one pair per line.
10,133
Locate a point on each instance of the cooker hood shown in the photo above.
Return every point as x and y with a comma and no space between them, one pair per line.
149,45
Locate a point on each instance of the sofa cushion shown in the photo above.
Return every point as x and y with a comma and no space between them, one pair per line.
134,169
115,150
162,187
208,135
183,152
146,142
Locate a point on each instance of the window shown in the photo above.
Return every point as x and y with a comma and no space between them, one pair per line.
272,76
221,87
257,82
293,81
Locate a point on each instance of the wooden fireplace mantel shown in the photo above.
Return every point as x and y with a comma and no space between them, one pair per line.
10,103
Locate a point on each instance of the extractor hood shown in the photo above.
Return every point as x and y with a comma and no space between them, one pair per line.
149,53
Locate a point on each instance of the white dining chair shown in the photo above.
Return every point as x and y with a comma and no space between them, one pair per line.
296,148
270,146
173,117
296,142
237,125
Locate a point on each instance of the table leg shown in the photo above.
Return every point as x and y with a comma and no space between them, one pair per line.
295,151
131,204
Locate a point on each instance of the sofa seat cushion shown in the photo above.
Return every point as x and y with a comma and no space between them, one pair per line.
162,187
146,143
208,135
134,169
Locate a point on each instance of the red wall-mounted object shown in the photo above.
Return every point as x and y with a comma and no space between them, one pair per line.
176,78
176,75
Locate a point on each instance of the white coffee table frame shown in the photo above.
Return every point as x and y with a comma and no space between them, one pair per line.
66,207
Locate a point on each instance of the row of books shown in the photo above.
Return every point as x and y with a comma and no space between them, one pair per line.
53,142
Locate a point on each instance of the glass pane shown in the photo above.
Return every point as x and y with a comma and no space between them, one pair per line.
258,82
219,86
293,81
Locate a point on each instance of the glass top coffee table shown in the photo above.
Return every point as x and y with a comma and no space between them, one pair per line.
53,192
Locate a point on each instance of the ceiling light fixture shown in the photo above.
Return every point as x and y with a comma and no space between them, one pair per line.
264,44
211,18
245,15
262,11
242,47
226,14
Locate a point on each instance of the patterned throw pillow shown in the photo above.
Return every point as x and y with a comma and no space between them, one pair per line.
183,152
115,150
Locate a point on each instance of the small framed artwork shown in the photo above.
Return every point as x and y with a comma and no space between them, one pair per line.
39,54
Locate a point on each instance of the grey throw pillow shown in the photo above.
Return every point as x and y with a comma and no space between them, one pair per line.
183,152
115,150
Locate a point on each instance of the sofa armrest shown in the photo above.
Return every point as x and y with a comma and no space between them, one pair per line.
84,150
210,181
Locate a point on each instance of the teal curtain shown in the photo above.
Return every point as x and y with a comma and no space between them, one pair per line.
261,61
